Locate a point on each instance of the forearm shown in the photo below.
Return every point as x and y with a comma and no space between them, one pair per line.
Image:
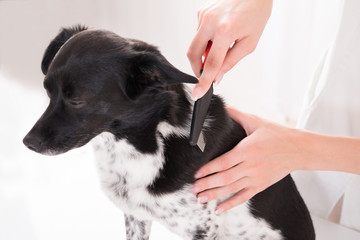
327,153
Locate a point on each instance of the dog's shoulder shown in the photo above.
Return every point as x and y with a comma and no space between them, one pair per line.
181,160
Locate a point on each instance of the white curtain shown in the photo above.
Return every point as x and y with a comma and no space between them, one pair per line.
311,76
332,106
297,35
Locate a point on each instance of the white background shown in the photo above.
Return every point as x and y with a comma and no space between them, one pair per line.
59,197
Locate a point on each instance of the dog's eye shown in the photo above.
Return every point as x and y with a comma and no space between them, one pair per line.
77,103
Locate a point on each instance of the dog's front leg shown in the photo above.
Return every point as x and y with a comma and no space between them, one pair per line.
137,230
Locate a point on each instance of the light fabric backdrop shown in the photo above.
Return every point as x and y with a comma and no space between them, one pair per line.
332,106
59,197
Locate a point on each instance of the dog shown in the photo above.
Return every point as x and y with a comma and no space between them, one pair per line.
135,107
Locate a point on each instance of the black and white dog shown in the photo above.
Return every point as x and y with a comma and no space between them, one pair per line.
131,102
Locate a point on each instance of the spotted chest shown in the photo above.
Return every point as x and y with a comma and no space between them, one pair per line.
124,172
125,175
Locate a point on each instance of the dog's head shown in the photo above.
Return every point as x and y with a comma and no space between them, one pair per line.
98,81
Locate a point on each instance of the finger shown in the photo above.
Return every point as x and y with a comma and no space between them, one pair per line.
219,164
200,15
219,179
204,9
212,66
197,49
210,10
239,198
211,194
239,50
204,34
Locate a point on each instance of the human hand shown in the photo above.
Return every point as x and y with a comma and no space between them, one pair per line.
234,27
265,156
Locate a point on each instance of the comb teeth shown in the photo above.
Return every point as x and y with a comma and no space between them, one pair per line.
201,142
199,113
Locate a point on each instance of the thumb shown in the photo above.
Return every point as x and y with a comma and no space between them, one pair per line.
212,65
248,121
200,89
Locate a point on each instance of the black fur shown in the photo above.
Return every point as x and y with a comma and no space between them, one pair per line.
102,82
183,160
56,43
281,202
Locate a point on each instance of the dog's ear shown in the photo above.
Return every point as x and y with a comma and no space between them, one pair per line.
54,46
151,69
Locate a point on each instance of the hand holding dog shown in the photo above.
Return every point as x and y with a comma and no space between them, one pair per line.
234,27
258,161
268,154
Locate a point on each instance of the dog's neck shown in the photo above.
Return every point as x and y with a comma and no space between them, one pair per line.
154,137
140,125
120,159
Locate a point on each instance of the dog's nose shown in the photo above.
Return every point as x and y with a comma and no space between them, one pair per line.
33,142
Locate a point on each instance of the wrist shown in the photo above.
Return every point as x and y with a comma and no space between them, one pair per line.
303,157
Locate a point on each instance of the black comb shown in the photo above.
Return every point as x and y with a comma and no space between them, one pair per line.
201,107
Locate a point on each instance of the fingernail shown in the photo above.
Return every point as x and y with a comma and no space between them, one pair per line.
219,211
203,199
195,189
218,78
196,93
198,175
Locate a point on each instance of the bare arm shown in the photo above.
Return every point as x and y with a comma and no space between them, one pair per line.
324,152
